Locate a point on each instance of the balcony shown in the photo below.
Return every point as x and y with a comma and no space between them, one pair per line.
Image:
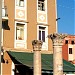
4,13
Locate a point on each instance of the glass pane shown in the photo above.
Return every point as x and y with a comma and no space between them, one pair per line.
21,2
66,41
42,28
43,36
41,5
70,50
17,2
39,35
72,42
20,32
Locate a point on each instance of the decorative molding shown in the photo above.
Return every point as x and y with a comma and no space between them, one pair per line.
43,24
20,13
37,44
42,17
57,36
57,39
21,20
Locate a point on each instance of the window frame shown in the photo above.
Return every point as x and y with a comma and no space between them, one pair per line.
72,42
66,41
45,44
18,3
25,36
42,29
45,7
70,51
19,29
40,13
41,5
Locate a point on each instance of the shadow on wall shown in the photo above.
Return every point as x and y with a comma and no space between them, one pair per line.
5,25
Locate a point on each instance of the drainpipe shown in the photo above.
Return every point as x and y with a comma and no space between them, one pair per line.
37,56
57,40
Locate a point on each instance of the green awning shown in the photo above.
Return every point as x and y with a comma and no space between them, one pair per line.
47,61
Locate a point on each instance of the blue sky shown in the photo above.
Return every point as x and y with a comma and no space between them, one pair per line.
65,11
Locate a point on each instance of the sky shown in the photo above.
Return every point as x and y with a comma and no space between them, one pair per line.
66,13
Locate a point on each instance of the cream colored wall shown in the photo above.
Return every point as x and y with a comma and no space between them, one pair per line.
74,52
70,56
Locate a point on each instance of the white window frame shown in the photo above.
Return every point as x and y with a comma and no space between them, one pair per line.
20,3
24,9
45,44
40,6
25,35
42,30
19,29
42,12
70,51
45,7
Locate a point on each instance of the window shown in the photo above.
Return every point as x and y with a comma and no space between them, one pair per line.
66,41
70,50
20,35
20,3
72,42
19,31
42,33
41,5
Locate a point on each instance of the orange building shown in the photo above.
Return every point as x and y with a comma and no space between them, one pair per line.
68,49
24,21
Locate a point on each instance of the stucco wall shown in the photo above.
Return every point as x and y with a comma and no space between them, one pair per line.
31,23
6,67
8,35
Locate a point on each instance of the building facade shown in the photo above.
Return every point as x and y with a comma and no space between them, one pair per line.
26,21
22,22
68,49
